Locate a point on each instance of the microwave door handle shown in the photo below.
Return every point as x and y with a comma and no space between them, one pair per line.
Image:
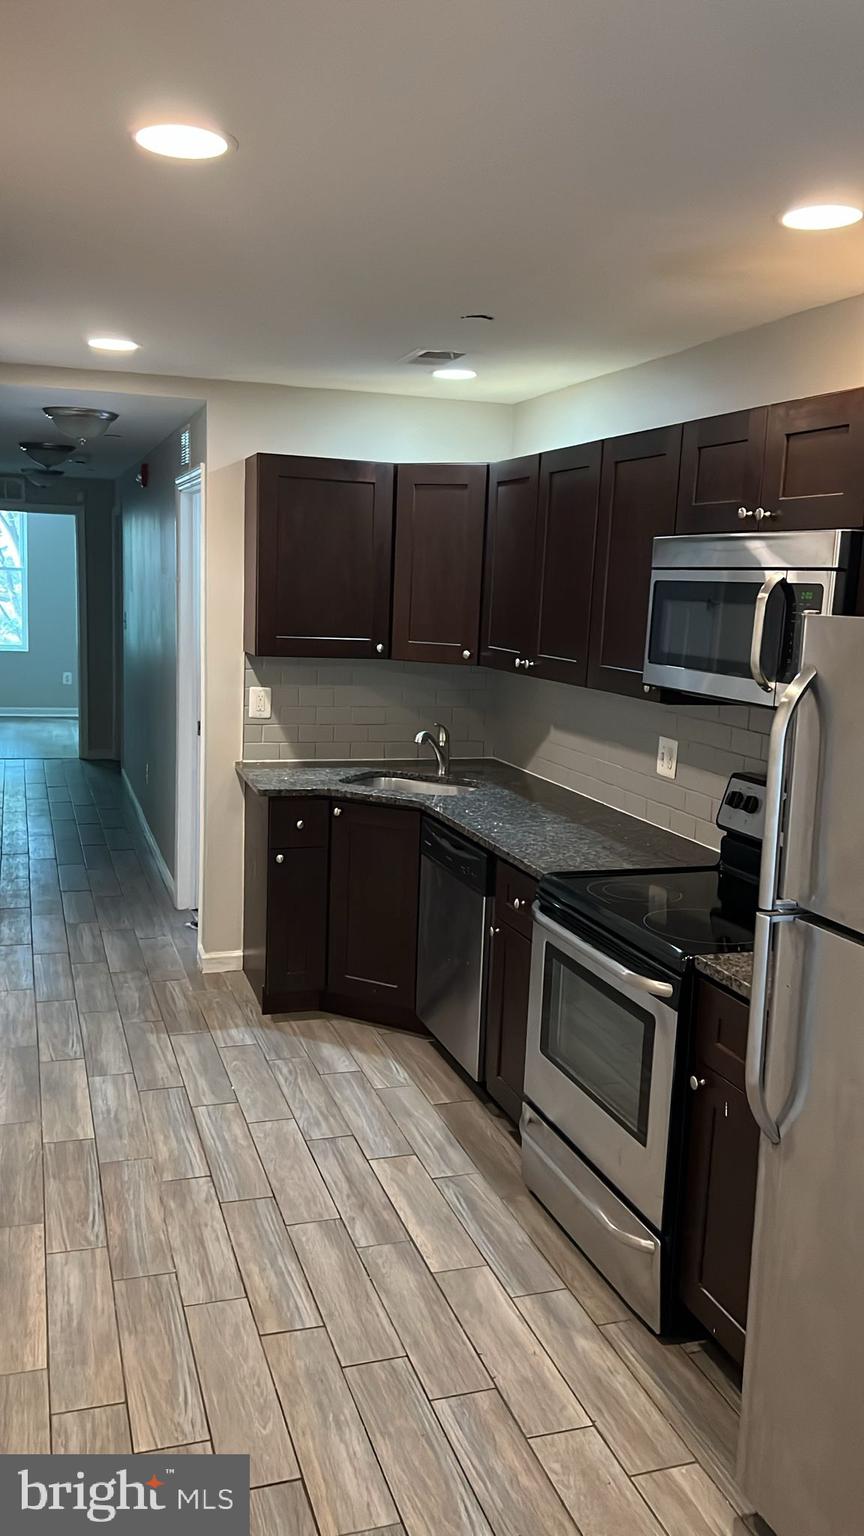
790,699
756,639
603,962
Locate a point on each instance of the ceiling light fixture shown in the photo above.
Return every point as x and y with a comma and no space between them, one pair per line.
821,216
183,141
454,374
79,422
47,455
112,344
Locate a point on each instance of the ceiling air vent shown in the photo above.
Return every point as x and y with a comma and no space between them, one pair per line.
431,359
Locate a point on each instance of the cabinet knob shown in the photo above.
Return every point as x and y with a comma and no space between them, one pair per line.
743,512
337,810
466,655
518,661
493,930
516,904
300,826
280,858
762,514
380,648
527,664
696,1082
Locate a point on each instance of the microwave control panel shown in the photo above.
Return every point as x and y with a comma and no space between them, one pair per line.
802,598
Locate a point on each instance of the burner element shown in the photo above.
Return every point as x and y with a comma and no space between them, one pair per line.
638,888
698,925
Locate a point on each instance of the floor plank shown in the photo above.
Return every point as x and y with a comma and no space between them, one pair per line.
282,1510
137,1240
345,1484
428,1069
490,1142
719,1370
84,1368
440,1236
94,992
19,1084
52,976
355,1319
17,1008
503,1471
639,1435
105,1049
358,1195
92,1432
122,951
121,1134
594,1486
202,1070
230,1151
24,1427
428,1484
435,1145
311,1104
504,1245
372,1052
241,1400
178,1007
136,1000
20,1174
530,1383
688,1503
65,1101
300,1191
206,1270
165,1407
437,1345
257,1090
276,1039
177,1148
368,1118
227,1022
277,1288
85,944
153,1059
59,1034
73,1200
322,1045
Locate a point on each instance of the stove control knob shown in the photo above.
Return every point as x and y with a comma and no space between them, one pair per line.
751,804
696,1083
735,800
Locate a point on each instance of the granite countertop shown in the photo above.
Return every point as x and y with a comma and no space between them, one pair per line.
535,825
732,971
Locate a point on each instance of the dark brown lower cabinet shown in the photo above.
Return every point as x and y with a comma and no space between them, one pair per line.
722,1155
374,892
507,1000
285,901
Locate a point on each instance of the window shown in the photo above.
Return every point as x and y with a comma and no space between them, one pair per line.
13,581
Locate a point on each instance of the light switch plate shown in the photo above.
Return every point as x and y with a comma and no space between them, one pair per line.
667,757
259,703
67,679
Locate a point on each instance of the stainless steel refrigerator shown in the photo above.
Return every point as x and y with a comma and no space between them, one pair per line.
801,1453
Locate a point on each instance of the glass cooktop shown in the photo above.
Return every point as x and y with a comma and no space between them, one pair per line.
671,914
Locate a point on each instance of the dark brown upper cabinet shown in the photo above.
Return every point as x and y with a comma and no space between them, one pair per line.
438,568
638,493
813,475
507,623
566,535
319,536
721,471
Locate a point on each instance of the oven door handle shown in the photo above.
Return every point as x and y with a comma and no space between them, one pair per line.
611,967
759,616
644,1244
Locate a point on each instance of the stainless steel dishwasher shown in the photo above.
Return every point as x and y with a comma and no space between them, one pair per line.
455,912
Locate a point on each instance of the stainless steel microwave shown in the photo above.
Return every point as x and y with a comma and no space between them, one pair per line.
726,611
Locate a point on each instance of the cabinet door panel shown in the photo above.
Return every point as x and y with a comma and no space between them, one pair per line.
814,462
440,516
566,533
320,534
296,924
720,1194
720,1027
638,493
721,470
509,623
374,890
507,1017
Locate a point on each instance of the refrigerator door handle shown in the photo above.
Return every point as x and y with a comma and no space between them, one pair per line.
776,779
754,1069
759,616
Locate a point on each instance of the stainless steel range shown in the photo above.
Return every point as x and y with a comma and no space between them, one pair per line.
610,984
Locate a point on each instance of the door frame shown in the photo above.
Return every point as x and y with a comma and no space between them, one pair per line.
189,722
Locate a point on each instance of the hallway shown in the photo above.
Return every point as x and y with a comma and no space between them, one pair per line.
302,1238
27,737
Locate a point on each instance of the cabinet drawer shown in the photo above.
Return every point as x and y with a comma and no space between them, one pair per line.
514,893
298,823
720,1032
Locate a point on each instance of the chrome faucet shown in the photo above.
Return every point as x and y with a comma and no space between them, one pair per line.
440,745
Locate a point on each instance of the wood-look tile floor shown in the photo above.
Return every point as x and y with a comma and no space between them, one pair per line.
303,1239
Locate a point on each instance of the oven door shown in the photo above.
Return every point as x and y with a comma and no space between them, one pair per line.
600,1060
726,633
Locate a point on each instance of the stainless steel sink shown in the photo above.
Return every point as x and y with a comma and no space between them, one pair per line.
422,786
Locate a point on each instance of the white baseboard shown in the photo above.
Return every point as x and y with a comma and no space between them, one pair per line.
220,959
38,712
164,871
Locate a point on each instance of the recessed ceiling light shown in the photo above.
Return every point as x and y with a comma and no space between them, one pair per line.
182,141
453,373
112,344
821,216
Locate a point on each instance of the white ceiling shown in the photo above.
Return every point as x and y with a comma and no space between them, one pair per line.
142,423
601,175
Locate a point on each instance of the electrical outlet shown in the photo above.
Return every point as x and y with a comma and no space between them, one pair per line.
667,757
67,679
259,703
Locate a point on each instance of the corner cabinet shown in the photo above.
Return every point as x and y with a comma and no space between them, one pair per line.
638,493
319,537
506,626
440,518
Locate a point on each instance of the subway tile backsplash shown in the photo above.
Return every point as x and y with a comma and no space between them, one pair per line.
597,743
